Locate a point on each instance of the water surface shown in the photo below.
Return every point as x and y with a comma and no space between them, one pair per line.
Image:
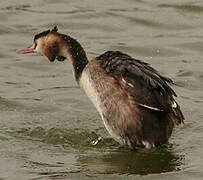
48,127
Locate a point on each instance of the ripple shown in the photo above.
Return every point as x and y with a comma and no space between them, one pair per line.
6,104
184,7
76,138
148,51
195,46
185,73
144,22
7,29
16,7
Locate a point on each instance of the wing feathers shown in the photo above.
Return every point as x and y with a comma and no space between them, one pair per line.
148,88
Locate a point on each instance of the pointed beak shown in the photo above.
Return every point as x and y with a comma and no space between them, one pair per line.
27,50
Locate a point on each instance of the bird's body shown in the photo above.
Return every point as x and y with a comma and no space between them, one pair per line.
134,101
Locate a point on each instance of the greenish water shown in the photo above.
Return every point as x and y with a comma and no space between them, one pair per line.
48,127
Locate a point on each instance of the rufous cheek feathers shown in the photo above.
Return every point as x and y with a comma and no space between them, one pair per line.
52,51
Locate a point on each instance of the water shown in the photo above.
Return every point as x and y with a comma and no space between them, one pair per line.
48,127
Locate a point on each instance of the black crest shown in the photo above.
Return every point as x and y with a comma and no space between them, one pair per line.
44,33
55,29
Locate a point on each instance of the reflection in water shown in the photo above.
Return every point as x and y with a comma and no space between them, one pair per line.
116,160
142,162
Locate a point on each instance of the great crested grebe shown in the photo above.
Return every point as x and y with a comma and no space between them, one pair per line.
135,102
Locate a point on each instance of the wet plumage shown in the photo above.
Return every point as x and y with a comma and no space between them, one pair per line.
135,102
147,87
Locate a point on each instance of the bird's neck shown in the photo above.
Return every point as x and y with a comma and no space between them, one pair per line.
77,55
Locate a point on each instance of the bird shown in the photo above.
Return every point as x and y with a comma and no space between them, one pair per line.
135,102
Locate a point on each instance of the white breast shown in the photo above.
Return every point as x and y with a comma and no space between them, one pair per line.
87,85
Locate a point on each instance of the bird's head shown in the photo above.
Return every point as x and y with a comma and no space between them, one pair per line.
47,43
